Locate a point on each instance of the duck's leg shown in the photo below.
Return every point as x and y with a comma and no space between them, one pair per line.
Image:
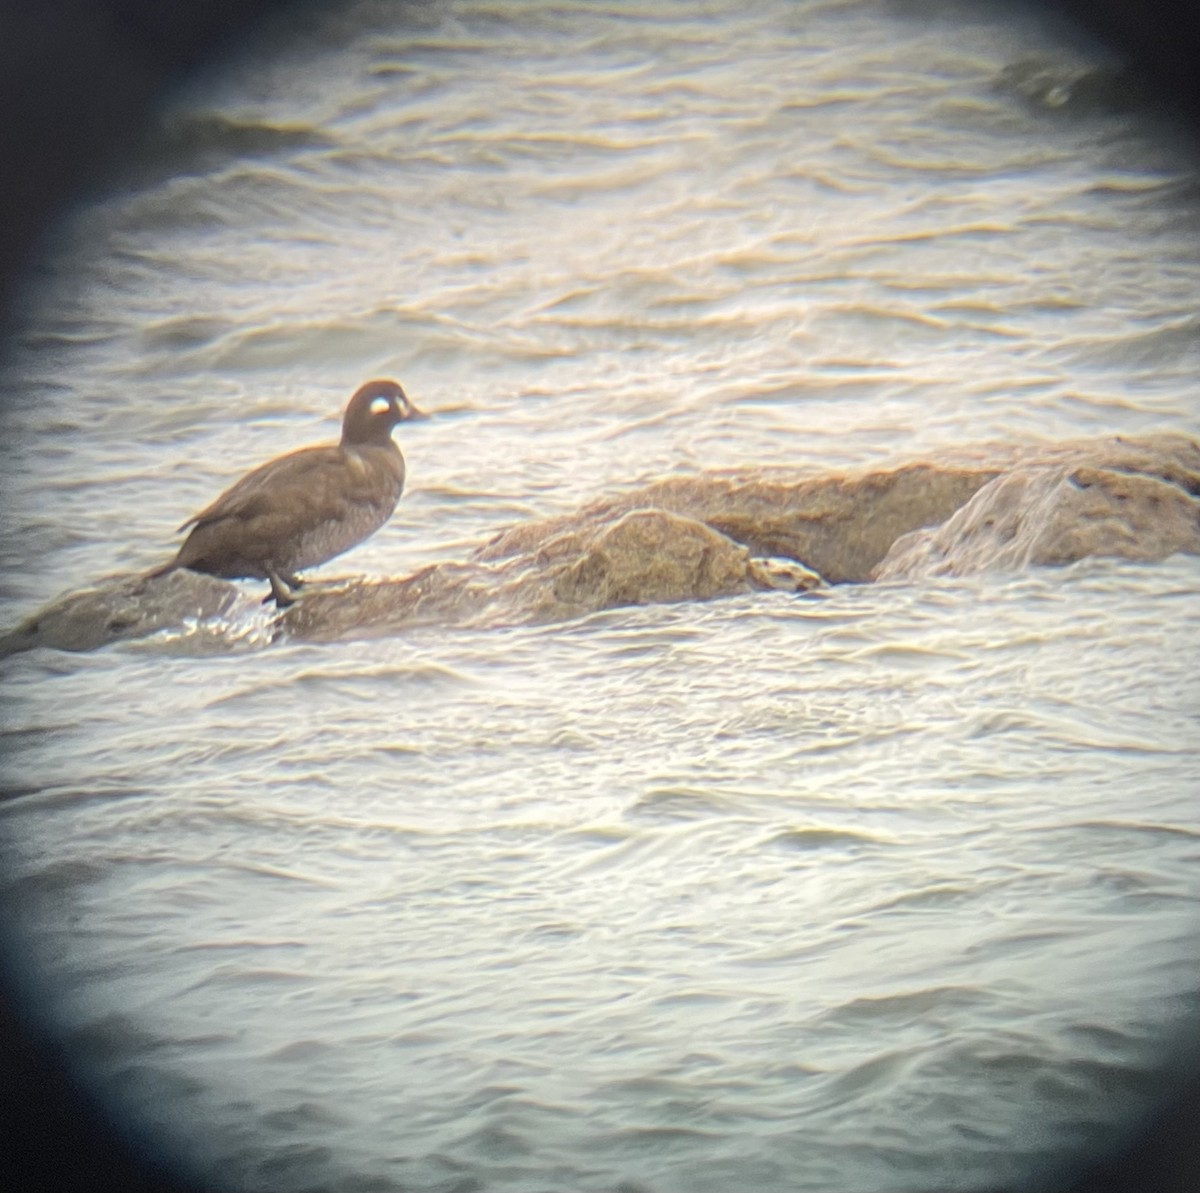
283,590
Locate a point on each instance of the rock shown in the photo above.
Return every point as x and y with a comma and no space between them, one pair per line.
784,575
644,556
843,525
124,606
1052,514
839,525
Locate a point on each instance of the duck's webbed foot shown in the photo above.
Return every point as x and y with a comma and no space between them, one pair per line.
284,590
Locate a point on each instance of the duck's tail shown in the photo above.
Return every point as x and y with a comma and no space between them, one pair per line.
172,565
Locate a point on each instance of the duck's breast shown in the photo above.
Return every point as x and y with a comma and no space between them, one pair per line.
342,507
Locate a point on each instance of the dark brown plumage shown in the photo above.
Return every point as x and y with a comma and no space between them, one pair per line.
307,507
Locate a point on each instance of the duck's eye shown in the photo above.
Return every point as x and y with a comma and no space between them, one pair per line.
380,405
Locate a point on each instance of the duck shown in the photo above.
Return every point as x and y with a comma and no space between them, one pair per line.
304,508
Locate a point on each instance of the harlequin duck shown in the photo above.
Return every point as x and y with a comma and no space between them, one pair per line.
307,507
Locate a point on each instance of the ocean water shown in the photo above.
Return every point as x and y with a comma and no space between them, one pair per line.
888,888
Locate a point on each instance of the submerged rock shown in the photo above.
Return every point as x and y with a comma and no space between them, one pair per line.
125,606
1077,89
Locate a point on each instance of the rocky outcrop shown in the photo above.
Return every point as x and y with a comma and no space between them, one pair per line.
844,525
129,605
644,556
641,557
840,525
718,534
1049,515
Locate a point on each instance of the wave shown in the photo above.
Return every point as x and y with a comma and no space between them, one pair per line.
200,142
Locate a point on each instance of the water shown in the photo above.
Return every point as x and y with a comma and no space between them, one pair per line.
888,888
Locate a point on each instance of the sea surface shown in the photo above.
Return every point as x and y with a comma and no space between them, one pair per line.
892,888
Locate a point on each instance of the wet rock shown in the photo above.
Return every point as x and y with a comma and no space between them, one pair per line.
1052,514
643,556
783,575
839,526
125,606
843,525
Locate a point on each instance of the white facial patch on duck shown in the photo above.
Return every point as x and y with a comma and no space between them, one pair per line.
380,405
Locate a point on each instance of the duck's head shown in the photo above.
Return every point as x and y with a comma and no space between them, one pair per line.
374,410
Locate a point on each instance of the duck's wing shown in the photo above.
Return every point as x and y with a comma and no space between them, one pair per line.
301,473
